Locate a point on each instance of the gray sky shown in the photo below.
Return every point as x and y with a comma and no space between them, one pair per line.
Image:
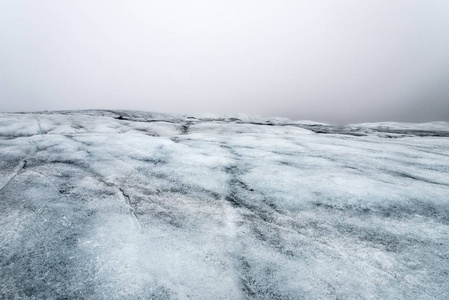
325,60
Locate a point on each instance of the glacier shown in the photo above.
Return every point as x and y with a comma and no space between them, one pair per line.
119,204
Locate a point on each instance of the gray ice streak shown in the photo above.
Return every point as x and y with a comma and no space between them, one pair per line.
333,61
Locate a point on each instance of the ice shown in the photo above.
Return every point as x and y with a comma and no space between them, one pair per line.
129,205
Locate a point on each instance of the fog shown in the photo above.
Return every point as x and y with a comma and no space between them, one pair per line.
335,61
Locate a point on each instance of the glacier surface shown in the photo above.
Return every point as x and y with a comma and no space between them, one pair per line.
137,205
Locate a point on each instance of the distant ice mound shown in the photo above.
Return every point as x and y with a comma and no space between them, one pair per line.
121,204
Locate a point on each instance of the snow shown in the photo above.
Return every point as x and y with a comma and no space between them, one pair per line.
129,205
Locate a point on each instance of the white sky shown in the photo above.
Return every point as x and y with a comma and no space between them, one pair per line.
337,61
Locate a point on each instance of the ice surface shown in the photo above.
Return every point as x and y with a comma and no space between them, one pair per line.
136,205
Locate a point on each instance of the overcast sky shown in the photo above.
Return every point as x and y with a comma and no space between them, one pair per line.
340,61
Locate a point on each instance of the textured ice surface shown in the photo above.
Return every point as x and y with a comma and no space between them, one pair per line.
135,205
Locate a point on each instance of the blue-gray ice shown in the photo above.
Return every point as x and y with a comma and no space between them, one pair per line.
134,205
